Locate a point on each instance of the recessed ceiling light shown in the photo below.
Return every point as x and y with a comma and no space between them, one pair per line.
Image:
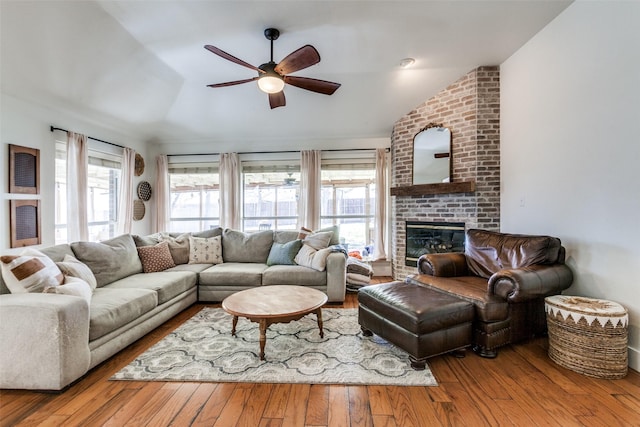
407,62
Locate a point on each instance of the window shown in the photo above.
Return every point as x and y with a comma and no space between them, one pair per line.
348,198
270,199
195,197
102,197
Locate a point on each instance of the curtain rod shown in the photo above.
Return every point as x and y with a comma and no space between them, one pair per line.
89,137
272,152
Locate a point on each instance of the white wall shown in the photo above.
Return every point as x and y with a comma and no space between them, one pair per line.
570,147
27,124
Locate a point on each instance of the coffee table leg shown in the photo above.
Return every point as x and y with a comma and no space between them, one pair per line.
319,315
263,336
234,323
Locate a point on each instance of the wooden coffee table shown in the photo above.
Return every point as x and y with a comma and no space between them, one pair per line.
266,305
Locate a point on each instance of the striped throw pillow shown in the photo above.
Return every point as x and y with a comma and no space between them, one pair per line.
30,271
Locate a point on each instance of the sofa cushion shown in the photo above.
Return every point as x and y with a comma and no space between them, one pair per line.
178,246
58,252
155,258
488,252
312,258
284,253
109,260
293,275
284,236
71,266
334,230
205,250
194,268
243,247
30,271
113,308
168,284
150,240
233,273
314,251
488,308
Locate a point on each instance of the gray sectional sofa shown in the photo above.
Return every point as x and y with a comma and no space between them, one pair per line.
49,341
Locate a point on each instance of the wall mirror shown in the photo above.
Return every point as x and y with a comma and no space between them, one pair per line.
432,155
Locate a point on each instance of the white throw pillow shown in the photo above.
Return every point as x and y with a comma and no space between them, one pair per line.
71,266
205,250
313,258
72,286
30,271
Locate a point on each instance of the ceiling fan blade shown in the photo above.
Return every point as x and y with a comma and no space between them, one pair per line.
277,100
235,82
302,58
314,85
221,53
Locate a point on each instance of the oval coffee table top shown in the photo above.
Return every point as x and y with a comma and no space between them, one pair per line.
274,301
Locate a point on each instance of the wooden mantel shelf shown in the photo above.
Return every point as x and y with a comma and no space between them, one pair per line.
440,188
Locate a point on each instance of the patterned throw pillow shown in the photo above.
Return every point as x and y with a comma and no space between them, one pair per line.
72,286
70,266
205,250
155,258
31,271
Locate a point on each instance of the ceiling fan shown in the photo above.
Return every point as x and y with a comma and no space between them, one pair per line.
272,77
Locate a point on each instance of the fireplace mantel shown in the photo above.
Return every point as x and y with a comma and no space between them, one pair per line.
439,188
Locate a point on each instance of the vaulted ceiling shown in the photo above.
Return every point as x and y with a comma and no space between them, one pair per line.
140,65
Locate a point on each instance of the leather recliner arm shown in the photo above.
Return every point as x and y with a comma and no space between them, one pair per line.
449,264
523,284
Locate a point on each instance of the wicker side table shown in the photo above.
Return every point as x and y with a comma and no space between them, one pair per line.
588,335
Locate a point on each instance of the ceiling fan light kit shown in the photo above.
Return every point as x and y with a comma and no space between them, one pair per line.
272,77
270,81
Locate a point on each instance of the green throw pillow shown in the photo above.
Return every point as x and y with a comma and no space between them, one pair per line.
284,253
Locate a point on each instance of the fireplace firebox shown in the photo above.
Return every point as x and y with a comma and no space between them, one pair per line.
432,237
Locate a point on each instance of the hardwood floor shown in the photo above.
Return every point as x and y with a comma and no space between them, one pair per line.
521,387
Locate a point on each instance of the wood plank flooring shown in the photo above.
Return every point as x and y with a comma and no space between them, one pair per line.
521,387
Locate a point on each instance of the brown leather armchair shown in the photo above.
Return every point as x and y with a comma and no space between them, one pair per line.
506,277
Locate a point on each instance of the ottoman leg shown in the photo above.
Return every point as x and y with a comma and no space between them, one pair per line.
418,364
366,332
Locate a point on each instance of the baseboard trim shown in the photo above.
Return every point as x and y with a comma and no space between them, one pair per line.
634,359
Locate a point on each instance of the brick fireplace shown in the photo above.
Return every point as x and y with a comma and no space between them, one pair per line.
470,107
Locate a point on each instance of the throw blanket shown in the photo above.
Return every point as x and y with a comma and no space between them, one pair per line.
359,274
354,265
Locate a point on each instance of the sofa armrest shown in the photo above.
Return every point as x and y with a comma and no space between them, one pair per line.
45,340
527,283
336,276
449,264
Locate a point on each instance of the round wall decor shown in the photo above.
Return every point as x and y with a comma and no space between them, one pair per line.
144,190
138,210
139,165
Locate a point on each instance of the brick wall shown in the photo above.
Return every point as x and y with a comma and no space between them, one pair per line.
470,108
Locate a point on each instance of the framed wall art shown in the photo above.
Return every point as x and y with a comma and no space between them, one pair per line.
24,170
24,217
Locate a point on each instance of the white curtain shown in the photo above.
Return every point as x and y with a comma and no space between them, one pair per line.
125,207
230,191
310,189
77,188
380,240
162,194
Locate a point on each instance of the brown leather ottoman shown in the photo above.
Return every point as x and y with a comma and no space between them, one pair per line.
421,321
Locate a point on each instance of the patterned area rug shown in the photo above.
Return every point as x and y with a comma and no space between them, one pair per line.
202,349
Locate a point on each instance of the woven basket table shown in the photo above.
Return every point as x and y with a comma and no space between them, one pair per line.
588,335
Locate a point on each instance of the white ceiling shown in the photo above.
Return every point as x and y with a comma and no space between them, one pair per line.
140,65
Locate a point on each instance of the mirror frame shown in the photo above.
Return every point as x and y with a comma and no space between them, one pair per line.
448,155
